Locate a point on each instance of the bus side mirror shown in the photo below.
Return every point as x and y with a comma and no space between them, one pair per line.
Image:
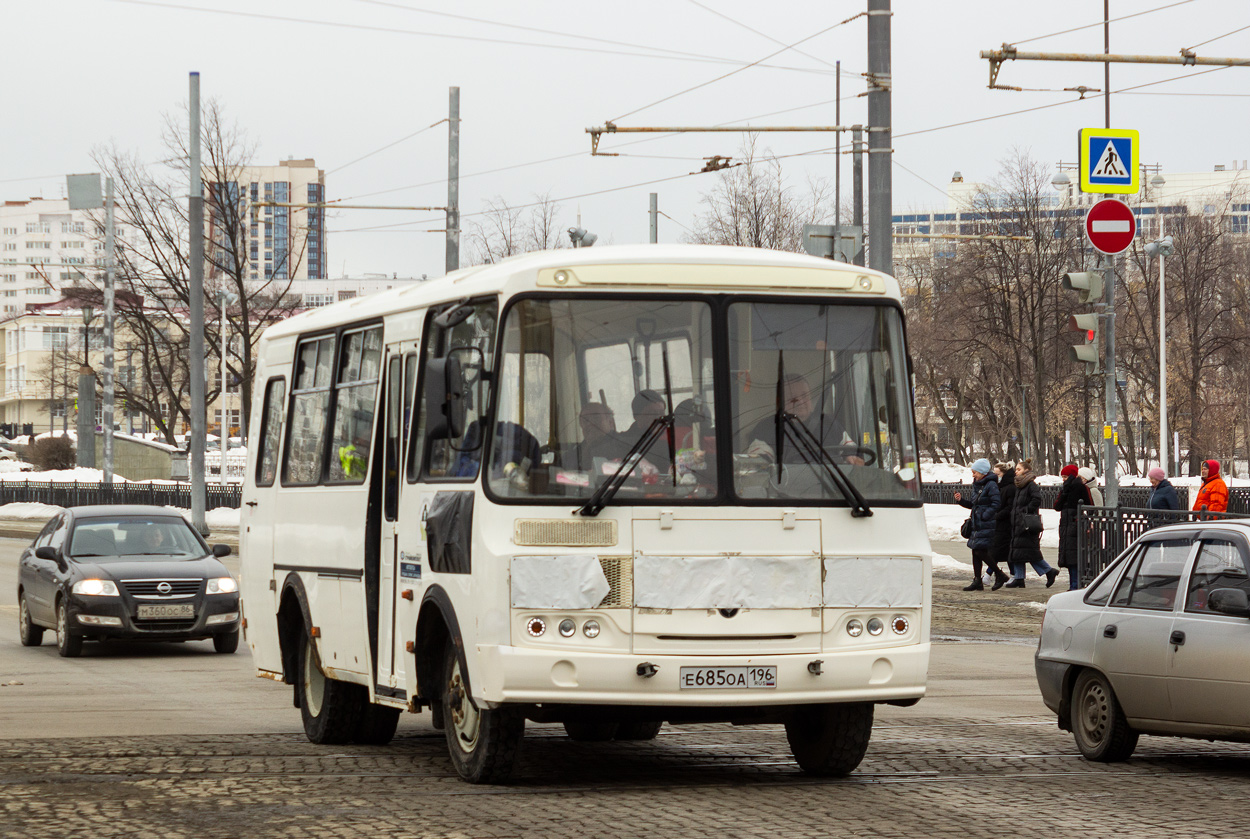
444,398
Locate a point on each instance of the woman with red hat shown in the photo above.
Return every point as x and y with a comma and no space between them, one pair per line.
1213,497
1072,495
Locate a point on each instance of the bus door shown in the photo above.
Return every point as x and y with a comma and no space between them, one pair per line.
399,569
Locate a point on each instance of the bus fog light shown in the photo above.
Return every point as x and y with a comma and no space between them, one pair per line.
567,628
590,629
536,627
854,628
875,626
900,624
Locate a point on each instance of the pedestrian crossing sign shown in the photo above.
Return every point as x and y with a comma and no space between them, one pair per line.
1109,161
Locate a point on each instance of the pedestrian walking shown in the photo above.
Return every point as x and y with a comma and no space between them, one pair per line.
1091,482
1000,548
1026,528
1163,495
982,525
1213,497
1072,495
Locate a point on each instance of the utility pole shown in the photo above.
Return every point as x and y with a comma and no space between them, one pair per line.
837,149
857,185
880,176
109,271
655,218
195,251
453,180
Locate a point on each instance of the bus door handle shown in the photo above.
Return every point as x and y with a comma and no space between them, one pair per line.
1109,631
251,503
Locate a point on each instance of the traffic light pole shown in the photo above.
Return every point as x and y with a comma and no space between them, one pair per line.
1110,431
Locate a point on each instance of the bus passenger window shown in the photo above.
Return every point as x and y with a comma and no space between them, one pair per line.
472,341
271,430
356,392
310,408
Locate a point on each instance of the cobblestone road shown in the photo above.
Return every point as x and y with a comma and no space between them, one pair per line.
923,776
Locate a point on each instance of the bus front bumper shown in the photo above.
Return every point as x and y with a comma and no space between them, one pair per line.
523,675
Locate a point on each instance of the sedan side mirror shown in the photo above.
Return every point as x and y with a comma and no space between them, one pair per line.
221,550
47,553
1229,601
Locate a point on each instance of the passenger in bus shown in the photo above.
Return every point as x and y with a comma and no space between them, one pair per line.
647,406
599,438
351,458
828,430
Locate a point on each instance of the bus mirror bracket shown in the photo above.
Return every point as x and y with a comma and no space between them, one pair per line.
444,398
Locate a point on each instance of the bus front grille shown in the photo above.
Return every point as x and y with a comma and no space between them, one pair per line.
564,533
620,573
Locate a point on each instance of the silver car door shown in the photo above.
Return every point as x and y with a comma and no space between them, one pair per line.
1209,681
1132,645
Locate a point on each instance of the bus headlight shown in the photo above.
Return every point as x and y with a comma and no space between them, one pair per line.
900,624
535,627
590,629
875,626
854,628
567,628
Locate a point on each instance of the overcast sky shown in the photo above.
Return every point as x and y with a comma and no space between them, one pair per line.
338,79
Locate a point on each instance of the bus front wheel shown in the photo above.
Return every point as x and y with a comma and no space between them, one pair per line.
329,708
483,742
829,740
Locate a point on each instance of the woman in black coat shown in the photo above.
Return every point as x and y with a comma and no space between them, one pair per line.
1026,545
1072,494
1000,548
984,504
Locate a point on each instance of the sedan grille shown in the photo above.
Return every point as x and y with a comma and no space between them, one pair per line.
162,589
165,625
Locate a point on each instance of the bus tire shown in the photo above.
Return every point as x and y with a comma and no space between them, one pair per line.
483,743
377,725
646,730
591,732
829,740
330,709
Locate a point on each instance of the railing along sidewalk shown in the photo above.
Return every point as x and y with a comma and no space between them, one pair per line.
1104,532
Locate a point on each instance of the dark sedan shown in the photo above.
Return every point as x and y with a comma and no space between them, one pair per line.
125,572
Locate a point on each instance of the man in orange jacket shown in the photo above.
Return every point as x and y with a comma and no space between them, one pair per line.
1213,497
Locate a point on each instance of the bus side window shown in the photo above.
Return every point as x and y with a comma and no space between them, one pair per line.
356,388
411,411
472,341
310,406
271,431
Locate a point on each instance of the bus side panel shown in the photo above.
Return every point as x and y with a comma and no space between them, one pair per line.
256,527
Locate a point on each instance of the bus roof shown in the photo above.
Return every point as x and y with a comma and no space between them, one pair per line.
692,267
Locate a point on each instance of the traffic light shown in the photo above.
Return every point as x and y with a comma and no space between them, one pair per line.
1087,283
1090,351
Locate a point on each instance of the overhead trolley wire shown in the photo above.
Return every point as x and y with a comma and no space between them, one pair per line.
768,37
387,146
1216,38
657,53
1101,22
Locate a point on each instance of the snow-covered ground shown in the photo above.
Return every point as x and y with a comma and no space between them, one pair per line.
944,521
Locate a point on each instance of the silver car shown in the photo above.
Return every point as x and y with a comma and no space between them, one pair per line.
1158,644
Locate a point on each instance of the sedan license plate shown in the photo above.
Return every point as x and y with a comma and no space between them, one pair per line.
170,610
727,677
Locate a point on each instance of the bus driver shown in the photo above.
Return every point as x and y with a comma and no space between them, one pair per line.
798,401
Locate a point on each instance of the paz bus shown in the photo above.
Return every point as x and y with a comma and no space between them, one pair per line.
609,488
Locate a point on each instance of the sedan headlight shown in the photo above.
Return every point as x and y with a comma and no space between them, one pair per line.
222,585
96,588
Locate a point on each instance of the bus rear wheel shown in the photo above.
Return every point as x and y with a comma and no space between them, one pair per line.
591,732
377,725
830,740
639,730
329,708
483,742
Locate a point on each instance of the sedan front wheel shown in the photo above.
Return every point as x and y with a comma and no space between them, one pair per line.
29,633
68,642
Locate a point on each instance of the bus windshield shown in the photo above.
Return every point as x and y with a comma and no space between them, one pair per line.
621,391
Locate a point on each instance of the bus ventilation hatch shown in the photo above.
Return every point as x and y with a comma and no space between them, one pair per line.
564,533
620,573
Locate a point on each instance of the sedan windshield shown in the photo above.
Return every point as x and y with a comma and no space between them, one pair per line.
135,536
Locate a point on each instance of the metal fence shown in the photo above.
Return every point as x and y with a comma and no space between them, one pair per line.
74,494
1129,496
1104,532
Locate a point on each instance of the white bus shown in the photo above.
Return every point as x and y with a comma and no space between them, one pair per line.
609,488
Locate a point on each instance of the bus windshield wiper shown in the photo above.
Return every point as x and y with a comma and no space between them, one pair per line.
813,452
637,452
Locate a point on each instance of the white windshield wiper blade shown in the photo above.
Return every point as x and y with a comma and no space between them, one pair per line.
637,452
813,453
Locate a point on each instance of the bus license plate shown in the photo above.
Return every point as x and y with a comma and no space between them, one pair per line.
171,610
727,677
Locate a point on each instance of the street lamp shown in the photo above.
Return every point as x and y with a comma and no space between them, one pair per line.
86,395
224,299
582,238
1162,247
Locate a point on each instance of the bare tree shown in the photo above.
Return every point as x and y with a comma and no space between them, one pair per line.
753,205
503,230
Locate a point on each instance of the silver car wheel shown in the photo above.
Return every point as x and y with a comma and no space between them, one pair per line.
1095,712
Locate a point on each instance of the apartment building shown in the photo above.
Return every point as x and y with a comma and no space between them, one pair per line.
44,246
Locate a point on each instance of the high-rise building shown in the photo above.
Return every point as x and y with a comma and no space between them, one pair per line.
276,243
44,246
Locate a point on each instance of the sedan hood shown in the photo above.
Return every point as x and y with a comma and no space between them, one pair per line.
135,569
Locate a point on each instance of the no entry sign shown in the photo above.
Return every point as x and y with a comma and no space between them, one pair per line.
1110,226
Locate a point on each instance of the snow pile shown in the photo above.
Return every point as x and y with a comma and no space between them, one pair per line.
1035,605
81,474
944,521
218,518
15,466
29,510
942,562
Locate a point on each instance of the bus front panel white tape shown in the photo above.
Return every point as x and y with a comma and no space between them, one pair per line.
558,582
874,581
726,582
